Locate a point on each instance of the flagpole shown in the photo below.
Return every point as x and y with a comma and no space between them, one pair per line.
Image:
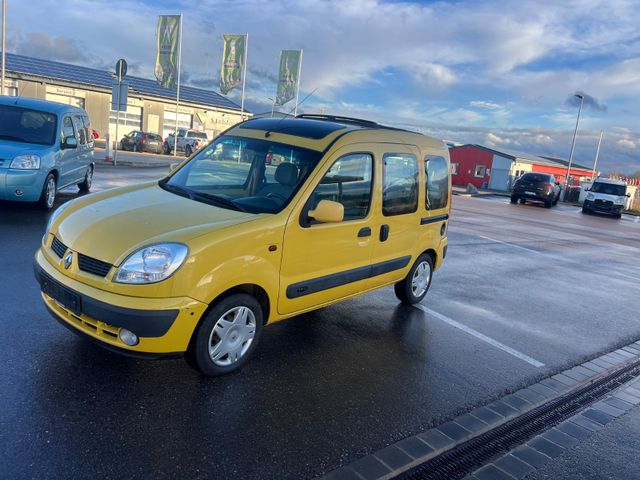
295,113
244,74
175,133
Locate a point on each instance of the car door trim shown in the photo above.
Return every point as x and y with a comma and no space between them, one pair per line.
437,218
333,280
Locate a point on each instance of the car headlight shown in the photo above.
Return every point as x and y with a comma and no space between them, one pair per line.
26,162
619,201
153,263
590,196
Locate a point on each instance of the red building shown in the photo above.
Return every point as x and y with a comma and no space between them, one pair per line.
495,169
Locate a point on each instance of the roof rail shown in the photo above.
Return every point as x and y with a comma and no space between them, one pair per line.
340,119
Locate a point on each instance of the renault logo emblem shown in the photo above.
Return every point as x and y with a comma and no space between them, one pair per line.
67,260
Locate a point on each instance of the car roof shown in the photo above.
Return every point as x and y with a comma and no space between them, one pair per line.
611,181
38,104
319,132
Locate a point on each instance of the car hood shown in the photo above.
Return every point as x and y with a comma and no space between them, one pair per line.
9,150
605,196
111,225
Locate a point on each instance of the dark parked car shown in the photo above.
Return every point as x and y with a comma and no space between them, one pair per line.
137,141
536,187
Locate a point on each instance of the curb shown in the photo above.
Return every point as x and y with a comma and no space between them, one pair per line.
410,452
129,163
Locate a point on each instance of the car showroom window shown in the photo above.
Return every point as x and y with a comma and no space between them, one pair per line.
480,171
349,182
436,172
400,184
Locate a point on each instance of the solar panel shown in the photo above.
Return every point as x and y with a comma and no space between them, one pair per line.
102,78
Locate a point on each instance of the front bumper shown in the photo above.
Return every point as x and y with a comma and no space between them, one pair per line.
21,185
163,325
603,207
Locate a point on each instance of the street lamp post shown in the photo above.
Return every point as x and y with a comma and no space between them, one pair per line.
4,36
573,146
595,163
273,105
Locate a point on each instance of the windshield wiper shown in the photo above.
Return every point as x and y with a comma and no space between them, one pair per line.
219,200
12,137
177,189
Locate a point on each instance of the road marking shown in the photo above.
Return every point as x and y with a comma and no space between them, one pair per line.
511,245
489,340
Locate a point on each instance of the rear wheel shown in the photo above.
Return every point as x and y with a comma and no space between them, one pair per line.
48,195
227,336
188,151
85,185
417,282
166,149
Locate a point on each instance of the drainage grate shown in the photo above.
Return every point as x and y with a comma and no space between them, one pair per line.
469,456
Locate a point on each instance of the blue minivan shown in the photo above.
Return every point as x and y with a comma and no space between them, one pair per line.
44,147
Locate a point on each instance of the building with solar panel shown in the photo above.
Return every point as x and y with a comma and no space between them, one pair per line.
150,108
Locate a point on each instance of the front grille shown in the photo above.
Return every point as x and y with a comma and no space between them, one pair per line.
91,265
606,203
58,247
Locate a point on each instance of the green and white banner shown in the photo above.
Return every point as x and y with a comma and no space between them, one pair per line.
233,57
168,46
288,75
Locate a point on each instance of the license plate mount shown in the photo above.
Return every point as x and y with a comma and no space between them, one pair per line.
62,295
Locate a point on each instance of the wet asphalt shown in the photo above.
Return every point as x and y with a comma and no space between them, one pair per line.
324,388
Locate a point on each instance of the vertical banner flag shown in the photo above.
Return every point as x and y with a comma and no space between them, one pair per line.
233,55
288,75
167,57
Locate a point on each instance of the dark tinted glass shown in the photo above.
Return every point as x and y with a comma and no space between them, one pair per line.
609,189
25,125
536,177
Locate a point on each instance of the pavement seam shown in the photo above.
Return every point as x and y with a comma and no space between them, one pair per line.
499,412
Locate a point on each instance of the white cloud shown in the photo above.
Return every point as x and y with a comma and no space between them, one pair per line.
485,105
626,143
493,140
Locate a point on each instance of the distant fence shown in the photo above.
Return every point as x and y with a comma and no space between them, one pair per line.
634,204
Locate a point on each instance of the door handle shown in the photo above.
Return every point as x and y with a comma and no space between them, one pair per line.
384,233
364,232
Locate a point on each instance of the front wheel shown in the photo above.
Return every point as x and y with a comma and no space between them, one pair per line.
585,210
417,282
48,195
514,199
85,185
227,336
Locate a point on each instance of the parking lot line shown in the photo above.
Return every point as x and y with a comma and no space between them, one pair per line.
511,245
481,336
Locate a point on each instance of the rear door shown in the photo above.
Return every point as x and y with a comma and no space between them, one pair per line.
83,152
67,163
397,223
323,262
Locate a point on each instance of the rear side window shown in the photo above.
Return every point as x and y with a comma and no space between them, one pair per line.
399,184
349,182
79,125
436,172
67,128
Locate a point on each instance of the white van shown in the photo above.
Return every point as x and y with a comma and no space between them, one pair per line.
606,196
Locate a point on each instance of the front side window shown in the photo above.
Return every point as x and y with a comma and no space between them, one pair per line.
436,168
19,124
349,182
232,172
480,171
400,184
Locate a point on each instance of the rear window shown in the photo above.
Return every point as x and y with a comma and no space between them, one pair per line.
198,135
609,189
25,125
536,177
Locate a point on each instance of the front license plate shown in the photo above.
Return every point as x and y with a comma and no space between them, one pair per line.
530,193
62,295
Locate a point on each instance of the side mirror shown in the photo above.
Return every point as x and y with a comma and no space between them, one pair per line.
69,142
628,195
173,167
328,212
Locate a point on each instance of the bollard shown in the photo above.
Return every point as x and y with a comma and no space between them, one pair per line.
107,149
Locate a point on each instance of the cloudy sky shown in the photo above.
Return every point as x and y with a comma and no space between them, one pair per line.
498,72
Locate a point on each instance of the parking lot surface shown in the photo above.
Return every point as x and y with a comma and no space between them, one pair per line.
524,292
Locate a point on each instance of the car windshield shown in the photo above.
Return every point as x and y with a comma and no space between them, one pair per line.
239,174
198,135
25,125
535,178
609,189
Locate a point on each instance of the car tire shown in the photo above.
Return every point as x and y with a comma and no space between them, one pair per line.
548,204
618,215
585,210
48,195
514,199
227,336
415,285
85,185
166,149
522,200
188,151
555,201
